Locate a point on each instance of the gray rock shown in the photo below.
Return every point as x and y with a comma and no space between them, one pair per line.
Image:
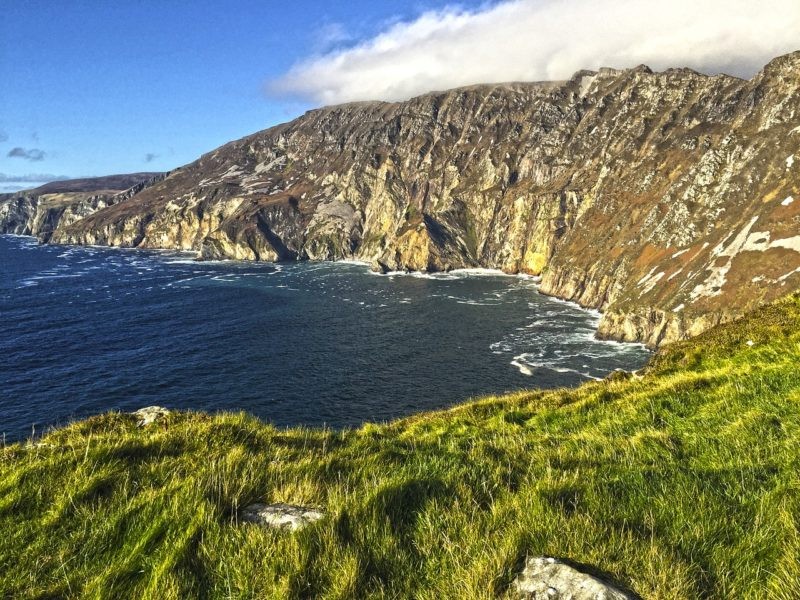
150,414
280,515
549,578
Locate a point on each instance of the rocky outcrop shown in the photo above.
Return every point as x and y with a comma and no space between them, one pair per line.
667,200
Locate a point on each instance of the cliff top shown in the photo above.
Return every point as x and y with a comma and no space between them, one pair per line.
116,183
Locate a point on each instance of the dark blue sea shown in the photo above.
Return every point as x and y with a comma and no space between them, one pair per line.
89,330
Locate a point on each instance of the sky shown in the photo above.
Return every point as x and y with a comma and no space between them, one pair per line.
100,87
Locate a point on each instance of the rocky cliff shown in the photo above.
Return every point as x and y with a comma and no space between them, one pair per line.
42,211
667,200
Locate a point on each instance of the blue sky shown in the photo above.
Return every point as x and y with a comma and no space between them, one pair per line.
96,87
101,87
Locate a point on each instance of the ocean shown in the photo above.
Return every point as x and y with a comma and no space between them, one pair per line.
87,330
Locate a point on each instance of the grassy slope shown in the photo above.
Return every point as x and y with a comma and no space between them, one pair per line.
682,484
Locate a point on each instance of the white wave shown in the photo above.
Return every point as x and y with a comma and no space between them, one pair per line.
617,343
573,304
46,276
522,362
477,303
480,272
524,369
457,274
188,261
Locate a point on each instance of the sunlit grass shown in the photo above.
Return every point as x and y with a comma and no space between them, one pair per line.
683,483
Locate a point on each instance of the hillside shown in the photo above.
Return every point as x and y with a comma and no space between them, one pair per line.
94,184
43,210
666,200
681,483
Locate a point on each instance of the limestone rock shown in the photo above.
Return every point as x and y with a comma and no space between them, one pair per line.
150,414
546,578
280,515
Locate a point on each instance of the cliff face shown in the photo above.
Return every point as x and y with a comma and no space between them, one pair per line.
664,199
42,211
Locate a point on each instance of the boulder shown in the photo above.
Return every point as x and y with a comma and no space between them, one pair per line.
150,414
280,516
547,578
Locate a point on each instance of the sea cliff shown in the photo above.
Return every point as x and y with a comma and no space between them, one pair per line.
666,200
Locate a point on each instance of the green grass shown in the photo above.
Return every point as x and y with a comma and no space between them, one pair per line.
684,483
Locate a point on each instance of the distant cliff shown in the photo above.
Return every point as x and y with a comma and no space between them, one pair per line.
667,200
42,211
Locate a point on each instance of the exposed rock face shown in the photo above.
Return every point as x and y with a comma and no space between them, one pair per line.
667,200
280,516
546,578
43,210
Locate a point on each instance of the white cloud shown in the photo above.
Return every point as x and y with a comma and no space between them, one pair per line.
331,35
532,40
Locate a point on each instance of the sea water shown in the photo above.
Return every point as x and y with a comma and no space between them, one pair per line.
87,330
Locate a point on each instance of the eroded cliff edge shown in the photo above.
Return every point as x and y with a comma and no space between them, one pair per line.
667,200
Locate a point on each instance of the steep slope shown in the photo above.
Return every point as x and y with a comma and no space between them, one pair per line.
664,199
42,211
680,484
121,182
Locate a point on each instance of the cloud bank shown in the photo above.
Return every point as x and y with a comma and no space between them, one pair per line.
34,154
534,40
